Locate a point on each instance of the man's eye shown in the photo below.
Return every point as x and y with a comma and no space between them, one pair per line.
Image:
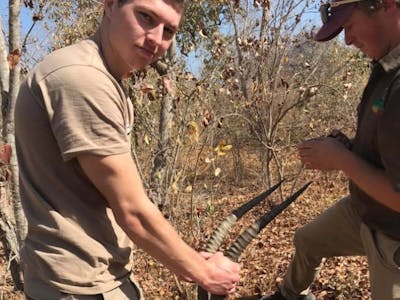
169,33
145,17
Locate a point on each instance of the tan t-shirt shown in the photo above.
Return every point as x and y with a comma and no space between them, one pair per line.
69,105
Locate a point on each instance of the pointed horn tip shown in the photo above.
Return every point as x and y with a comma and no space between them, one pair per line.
243,209
304,187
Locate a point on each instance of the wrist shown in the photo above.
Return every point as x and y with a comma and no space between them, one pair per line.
346,161
202,272
210,276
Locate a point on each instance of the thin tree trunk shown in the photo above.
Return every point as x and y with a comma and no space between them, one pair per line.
263,29
15,8
13,234
159,175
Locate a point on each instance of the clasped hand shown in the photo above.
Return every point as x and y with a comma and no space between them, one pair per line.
324,153
225,274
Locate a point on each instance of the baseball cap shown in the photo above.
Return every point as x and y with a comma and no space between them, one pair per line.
333,15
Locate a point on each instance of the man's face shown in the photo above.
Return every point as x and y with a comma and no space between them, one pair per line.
370,33
140,31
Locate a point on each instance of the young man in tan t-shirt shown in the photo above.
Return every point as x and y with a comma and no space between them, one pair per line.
82,195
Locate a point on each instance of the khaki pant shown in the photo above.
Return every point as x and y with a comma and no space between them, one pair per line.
340,232
128,290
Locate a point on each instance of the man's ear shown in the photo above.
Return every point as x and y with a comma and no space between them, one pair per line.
108,7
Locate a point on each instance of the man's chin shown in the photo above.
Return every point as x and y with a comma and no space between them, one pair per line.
142,64
136,67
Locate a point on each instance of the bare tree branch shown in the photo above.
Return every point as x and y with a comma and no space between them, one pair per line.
15,8
4,70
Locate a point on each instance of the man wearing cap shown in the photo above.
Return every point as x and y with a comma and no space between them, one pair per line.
367,222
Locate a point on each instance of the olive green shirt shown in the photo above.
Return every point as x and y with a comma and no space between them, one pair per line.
378,140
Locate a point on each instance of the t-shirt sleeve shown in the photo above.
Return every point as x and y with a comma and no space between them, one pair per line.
87,111
389,135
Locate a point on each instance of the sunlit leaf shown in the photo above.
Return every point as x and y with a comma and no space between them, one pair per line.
222,148
146,139
192,131
13,58
188,189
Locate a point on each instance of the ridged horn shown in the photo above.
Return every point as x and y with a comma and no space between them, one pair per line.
251,232
219,234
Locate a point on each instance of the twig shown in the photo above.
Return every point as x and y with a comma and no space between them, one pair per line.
97,2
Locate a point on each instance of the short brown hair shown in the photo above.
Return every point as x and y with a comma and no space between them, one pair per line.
181,3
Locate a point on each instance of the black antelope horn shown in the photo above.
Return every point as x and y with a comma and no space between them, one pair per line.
251,232
219,234
248,235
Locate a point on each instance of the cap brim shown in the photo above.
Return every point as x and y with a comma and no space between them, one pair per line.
339,16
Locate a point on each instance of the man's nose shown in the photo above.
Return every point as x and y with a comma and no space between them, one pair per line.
155,35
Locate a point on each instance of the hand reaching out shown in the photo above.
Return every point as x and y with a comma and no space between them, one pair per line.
323,153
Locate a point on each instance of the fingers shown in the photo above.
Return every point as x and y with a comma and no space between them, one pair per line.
222,262
185,279
227,265
309,144
232,290
224,274
310,153
305,152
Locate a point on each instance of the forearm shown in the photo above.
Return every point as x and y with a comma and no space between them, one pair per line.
118,181
371,180
150,231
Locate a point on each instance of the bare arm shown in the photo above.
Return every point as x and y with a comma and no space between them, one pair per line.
116,177
371,180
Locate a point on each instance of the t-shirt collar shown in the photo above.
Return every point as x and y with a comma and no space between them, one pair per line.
391,60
